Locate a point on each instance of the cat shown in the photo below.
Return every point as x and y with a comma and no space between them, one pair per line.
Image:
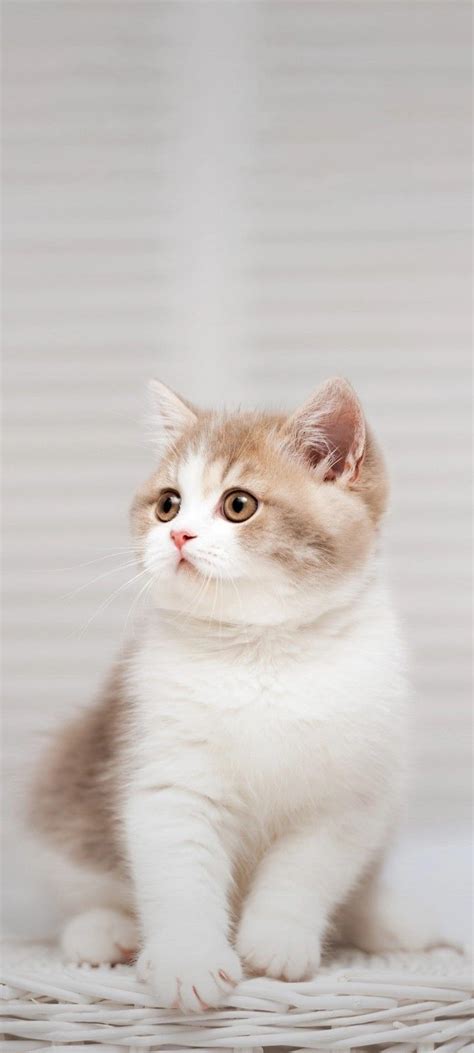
228,801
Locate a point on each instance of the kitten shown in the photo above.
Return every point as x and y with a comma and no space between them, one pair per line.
229,799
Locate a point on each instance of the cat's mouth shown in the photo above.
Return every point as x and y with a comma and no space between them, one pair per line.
184,565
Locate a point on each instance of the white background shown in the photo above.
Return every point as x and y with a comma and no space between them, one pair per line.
241,199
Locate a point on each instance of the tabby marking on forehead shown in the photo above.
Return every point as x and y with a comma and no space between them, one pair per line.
190,474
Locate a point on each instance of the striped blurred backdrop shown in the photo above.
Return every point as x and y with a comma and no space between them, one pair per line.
241,199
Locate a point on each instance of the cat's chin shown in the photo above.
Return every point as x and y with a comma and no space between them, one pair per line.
184,566
251,602
194,594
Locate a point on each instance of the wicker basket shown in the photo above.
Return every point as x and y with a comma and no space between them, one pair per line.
402,1002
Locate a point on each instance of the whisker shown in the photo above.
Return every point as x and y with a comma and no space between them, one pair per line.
106,603
234,585
106,573
88,563
142,592
201,593
211,616
190,612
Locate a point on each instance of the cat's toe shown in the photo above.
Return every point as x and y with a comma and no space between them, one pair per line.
282,949
100,937
189,975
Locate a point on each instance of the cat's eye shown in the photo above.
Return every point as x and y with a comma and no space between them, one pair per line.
167,505
239,505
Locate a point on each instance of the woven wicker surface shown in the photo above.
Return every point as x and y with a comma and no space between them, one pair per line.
402,1002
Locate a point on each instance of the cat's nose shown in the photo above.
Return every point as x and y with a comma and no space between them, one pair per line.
180,537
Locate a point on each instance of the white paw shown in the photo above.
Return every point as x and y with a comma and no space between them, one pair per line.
100,936
191,971
283,949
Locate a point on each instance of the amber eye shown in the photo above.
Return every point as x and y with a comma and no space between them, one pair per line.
168,505
238,505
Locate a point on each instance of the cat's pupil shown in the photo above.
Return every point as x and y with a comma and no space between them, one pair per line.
168,504
238,505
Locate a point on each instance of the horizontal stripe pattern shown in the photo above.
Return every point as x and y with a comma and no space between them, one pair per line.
241,199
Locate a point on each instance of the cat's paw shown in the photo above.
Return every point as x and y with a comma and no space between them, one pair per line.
191,971
277,947
99,937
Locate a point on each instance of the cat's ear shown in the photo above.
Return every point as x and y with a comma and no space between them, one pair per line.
329,431
168,417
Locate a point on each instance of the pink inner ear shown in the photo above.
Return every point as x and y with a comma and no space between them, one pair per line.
331,428
346,439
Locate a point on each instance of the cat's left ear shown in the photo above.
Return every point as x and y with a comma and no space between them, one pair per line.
169,415
329,431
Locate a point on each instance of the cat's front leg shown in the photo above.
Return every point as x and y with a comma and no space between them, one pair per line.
299,883
182,875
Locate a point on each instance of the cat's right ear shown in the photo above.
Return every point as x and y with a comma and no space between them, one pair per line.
168,416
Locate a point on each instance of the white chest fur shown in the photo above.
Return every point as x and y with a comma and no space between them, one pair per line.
282,721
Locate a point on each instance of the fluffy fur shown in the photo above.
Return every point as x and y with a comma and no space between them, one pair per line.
233,791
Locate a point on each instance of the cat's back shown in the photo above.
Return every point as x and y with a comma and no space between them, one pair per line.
73,801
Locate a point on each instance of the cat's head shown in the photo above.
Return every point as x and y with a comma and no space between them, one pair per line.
260,518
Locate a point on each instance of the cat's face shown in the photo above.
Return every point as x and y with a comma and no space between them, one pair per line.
260,519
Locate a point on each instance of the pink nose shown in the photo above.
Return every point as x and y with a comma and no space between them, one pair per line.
180,537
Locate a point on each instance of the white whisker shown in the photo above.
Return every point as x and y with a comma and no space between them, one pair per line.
106,573
103,606
89,562
145,589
